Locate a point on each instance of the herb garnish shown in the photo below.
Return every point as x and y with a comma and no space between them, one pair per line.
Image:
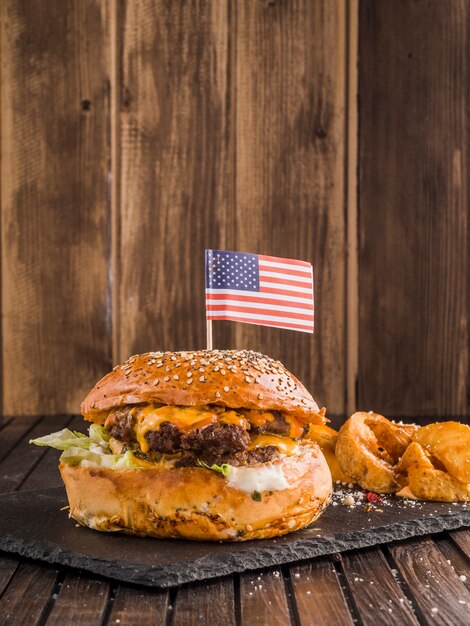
222,469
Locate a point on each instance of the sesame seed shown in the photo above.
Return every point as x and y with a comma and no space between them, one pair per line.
189,374
217,394
226,389
189,381
155,382
166,379
223,372
260,396
167,369
176,377
202,379
248,379
216,368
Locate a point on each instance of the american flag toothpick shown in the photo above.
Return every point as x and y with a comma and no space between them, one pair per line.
258,289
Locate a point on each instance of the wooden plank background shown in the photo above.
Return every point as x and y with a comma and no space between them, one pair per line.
414,239
134,134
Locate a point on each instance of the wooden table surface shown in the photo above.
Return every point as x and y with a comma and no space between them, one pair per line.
419,581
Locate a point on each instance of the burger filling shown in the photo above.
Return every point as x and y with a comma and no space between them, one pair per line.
239,443
212,435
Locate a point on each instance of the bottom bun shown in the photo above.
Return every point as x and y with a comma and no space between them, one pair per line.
197,503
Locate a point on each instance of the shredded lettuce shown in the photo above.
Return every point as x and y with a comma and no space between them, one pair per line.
92,450
223,469
63,440
98,433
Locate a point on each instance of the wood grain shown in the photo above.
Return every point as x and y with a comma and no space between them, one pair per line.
135,606
174,169
46,473
456,558
55,219
318,594
263,598
352,222
433,582
80,601
18,464
8,565
414,264
462,539
210,603
4,421
289,188
26,598
13,432
377,596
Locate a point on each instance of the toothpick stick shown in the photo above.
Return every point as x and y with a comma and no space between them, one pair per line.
209,334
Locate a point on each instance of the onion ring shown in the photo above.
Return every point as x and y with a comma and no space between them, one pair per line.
368,448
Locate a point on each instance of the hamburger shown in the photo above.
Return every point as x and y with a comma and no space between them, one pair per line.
206,445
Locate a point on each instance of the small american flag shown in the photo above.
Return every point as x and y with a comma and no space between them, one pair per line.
258,289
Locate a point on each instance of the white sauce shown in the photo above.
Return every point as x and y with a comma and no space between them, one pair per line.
249,479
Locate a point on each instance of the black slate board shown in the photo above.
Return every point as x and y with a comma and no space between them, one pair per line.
32,525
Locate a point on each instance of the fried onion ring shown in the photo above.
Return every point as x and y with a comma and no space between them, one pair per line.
449,444
368,448
326,438
425,482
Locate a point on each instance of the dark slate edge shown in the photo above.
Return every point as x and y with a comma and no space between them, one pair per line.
213,565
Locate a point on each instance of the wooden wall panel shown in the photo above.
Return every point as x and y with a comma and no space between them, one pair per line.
414,264
55,223
174,169
290,134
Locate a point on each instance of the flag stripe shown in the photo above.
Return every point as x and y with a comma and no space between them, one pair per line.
282,277
287,289
284,317
283,271
233,299
281,261
263,322
283,281
252,296
289,312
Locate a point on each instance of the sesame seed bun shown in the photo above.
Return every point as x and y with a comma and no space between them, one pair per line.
229,378
197,503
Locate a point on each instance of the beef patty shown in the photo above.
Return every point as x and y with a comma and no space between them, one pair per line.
120,424
214,444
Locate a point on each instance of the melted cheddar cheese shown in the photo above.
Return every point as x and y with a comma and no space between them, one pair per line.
258,418
184,418
283,444
149,418
232,417
296,429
